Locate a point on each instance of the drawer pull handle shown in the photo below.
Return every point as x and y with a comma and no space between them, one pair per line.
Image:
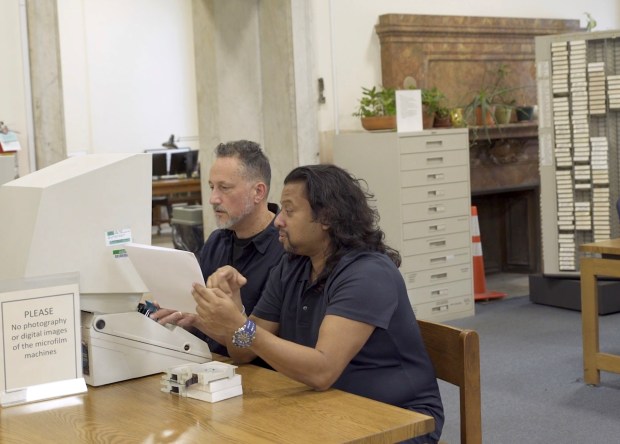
437,260
439,276
438,176
440,292
436,193
437,209
436,228
440,308
434,143
441,243
434,160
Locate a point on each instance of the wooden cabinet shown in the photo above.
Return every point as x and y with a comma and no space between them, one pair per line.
510,230
505,188
420,183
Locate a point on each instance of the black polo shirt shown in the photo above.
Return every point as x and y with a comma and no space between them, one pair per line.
253,260
393,366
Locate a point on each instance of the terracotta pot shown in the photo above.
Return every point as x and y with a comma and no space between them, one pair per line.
428,118
442,122
378,123
488,119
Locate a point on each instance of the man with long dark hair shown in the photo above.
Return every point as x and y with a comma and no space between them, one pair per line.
335,310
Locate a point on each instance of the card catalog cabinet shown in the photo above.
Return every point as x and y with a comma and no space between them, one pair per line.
578,80
420,183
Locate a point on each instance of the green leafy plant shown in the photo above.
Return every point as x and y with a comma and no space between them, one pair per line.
442,117
489,95
376,102
442,112
591,24
432,99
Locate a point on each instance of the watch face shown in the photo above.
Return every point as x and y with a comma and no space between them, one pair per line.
244,336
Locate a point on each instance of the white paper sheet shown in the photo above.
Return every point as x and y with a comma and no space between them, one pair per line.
168,274
409,110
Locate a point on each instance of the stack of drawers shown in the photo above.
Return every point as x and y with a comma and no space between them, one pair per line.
421,186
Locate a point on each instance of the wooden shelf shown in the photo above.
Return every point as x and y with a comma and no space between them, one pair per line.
507,131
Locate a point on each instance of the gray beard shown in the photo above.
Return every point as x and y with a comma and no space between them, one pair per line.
232,221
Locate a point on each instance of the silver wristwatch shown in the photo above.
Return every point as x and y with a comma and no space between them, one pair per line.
244,335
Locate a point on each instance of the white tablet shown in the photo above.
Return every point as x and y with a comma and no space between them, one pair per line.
168,274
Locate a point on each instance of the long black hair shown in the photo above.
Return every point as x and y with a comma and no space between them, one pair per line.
339,200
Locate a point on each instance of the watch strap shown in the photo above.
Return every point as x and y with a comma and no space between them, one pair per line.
244,335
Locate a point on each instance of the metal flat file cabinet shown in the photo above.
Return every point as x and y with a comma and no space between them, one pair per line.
421,188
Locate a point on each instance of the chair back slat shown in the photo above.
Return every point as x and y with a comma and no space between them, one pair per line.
455,354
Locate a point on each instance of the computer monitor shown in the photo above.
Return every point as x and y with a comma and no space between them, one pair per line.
183,162
76,215
192,162
175,161
178,162
160,164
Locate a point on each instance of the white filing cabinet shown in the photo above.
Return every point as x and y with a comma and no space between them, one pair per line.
421,186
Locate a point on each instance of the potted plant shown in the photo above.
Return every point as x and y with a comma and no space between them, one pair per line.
504,109
493,103
503,113
377,108
432,99
523,110
481,109
442,117
525,113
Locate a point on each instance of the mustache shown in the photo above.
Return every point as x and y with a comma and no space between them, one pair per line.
219,208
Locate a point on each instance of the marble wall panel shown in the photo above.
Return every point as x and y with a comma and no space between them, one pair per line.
461,54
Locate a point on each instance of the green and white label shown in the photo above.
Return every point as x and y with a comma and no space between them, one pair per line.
117,237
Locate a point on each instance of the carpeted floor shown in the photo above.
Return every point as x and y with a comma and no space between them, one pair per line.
532,380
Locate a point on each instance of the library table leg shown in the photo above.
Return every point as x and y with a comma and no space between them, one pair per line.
589,320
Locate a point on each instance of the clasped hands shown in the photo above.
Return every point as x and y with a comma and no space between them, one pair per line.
218,305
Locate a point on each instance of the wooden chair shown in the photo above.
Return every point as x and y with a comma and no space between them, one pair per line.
455,354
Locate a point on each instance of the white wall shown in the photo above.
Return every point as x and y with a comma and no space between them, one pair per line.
13,105
356,48
128,65
128,74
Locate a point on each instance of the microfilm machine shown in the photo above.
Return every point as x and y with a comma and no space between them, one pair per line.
76,215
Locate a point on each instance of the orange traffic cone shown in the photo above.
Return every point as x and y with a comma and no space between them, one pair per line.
480,283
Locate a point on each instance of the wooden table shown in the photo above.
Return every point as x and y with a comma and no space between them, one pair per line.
166,187
273,409
187,191
592,267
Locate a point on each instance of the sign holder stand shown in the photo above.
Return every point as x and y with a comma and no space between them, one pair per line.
40,345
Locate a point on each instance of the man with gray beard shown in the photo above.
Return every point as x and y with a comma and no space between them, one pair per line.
245,237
